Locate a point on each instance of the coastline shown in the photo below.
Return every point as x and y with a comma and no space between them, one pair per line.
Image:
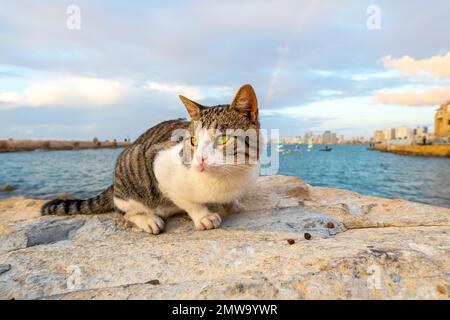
7,146
442,151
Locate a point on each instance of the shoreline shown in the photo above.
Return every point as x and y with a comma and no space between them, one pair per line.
441,151
10,146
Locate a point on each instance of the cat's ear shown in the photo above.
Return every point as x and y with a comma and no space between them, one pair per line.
192,107
246,102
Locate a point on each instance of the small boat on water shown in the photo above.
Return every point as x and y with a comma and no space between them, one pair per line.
327,148
310,145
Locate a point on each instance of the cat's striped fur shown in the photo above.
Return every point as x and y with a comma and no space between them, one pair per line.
153,180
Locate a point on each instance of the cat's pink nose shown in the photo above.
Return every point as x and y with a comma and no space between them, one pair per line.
201,159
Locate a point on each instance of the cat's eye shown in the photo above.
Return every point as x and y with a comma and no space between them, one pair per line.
223,139
194,141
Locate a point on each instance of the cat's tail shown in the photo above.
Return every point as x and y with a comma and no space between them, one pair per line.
99,204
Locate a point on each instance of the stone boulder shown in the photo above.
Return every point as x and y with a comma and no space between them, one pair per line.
288,240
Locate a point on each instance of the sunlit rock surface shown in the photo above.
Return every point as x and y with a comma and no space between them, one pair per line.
288,241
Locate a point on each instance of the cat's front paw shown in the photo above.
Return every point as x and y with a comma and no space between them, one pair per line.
148,223
211,221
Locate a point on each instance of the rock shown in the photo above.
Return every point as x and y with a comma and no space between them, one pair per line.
51,231
394,250
7,188
4,268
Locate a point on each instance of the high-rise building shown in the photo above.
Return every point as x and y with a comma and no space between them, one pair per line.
442,121
378,136
403,133
334,138
317,139
308,135
326,137
389,134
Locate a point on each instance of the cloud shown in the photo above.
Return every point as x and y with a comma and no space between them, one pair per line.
424,98
192,92
330,92
70,91
365,75
438,66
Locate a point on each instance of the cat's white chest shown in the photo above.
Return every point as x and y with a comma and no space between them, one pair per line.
177,180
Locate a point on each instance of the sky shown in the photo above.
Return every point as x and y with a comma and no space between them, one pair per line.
112,69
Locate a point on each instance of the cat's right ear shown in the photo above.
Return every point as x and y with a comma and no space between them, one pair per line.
192,107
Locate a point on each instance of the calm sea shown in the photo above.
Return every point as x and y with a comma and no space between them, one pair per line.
85,173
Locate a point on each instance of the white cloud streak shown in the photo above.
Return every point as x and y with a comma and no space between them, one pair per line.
70,91
191,92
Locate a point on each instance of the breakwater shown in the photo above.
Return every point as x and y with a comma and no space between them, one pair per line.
424,151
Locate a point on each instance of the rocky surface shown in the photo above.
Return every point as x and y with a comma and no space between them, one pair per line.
7,188
289,241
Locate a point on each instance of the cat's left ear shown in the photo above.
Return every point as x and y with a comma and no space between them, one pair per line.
192,107
246,102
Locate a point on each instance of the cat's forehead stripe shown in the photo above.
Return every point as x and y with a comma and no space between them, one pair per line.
222,117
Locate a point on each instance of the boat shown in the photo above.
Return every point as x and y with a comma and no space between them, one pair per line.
310,145
327,148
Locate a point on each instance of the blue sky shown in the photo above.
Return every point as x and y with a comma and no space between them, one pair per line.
315,65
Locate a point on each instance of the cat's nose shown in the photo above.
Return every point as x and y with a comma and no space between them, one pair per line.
201,159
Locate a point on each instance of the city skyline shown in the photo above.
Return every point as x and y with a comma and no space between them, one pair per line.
326,137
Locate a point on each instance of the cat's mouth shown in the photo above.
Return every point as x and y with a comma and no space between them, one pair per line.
208,168
220,169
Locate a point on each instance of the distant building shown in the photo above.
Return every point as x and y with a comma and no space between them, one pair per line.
329,137
420,132
298,139
334,138
308,136
404,133
326,137
442,121
317,140
389,134
378,136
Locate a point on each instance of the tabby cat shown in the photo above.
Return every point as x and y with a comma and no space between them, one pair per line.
181,165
